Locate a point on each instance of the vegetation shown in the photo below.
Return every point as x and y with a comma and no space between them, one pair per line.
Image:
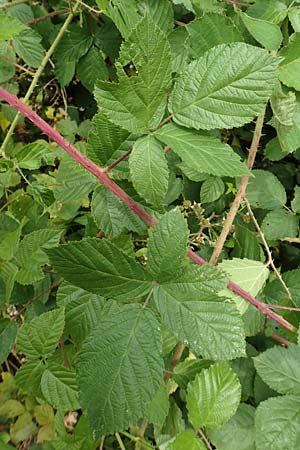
141,140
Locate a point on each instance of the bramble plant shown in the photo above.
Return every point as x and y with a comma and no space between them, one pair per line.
149,224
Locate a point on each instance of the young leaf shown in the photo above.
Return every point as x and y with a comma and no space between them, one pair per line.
227,87
137,103
274,11
187,440
213,397
277,423
120,368
10,27
266,33
210,30
40,336
149,170
98,266
168,246
279,368
59,388
201,152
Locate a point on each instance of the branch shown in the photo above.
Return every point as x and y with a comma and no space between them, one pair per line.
116,190
241,192
9,4
48,16
280,339
204,438
234,3
117,161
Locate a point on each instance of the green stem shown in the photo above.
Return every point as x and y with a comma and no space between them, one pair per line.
138,439
38,74
120,442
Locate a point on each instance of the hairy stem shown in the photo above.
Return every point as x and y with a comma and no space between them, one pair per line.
115,189
241,192
37,75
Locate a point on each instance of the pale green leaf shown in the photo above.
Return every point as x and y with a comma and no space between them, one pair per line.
120,368
200,152
238,432
210,30
28,46
160,12
168,246
280,369
211,189
187,440
91,68
295,203
289,69
11,408
271,10
249,275
103,269
22,428
227,87
59,388
277,423
40,336
265,190
280,224
283,106
294,17
149,170
137,103
10,27
266,33
213,397
289,136
32,155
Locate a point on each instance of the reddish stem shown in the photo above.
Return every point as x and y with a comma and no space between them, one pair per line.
117,161
280,339
115,189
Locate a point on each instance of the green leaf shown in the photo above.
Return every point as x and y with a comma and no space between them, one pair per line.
283,106
187,370
275,292
201,152
279,224
7,62
211,189
179,42
187,440
8,332
105,140
158,408
125,16
137,103
120,368
40,336
160,12
10,230
295,203
91,68
238,432
11,408
28,47
98,266
266,33
274,11
249,275
279,368
289,68
193,311
277,423
59,388
265,190
213,397
10,27
29,376
227,87
149,170
294,17
74,44
168,246
31,156
247,243
22,428
289,136
210,30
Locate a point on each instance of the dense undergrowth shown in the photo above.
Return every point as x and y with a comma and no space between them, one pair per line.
152,136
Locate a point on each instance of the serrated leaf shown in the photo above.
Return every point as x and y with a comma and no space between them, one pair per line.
124,16
213,397
211,189
160,12
200,152
179,42
103,269
32,155
284,412
266,33
10,27
149,170
8,332
7,62
283,106
187,440
238,432
210,30
40,336
265,190
290,66
28,46
137,103
91,68
157,409
248,274
192,309
59,388
271,10
168,246
227,87
120,368
289,136
279,224
74,44
279,368
29,376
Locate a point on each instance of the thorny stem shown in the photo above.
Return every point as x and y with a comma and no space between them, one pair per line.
204,438
38,74
115,189
48,16
268,251
241,192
